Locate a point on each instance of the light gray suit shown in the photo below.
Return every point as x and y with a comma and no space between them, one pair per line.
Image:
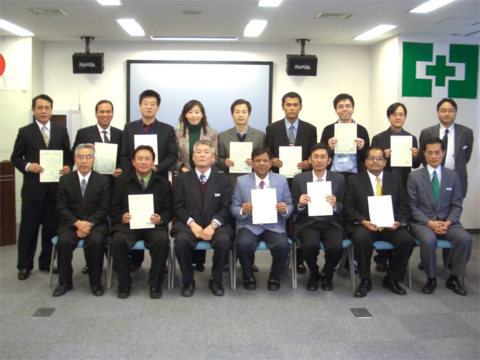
449,208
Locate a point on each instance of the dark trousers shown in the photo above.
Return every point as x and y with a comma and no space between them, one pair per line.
332,239
185,244
401,240
158,244
247,243
93,248
34,214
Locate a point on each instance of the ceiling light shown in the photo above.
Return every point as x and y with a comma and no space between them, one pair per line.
15,29
376,31
269,3
185,38
254,28
109,2
430,6
131,27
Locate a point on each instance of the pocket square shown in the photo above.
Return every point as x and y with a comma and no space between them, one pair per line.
466,146
217,195
448,189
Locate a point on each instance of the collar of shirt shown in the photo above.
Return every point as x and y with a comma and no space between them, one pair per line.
100,129
338,121
393,132
207,173
266,182
146,179
373,180
324,177
81,177
238,133
451,131
40,126
288,124
438,171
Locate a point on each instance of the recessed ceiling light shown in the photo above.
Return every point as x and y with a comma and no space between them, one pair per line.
254,28
269,3
191,12
131,27
185,38
14,29
109,2
430,6
376,31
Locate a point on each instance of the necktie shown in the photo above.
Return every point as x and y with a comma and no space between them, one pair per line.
261,184
379,193
45,136
105,138
435,187
445,145
142,182
203,179
291,135
84,187
319,180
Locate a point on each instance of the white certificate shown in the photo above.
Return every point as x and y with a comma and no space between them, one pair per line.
290,156
140,208
346,135
105,158
381,210
148,139
401,154
264,202
318,192
239,152
52,162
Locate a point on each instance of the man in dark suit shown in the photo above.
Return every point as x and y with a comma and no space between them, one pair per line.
436,206
143,180
457,140
202,198
83,204
376,182
311,230
167,153
38,199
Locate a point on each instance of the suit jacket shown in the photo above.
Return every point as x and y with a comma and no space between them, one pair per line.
383,141
128,184
91,135
362,133
26,150
359,187
167,149
299,187
422,200
183,145
243,193
463,149
188,201
94,207
276,135
256,137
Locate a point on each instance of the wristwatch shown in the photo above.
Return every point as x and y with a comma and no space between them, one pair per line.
215,225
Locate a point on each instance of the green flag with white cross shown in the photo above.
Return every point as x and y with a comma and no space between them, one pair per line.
440,70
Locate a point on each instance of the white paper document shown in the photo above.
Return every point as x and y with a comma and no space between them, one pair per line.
140,208
239,152
290,156
52,162
105,158
148,139
346,135
318,192
264,202
381,210
401,154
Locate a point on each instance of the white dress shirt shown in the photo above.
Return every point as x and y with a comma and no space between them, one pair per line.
450,154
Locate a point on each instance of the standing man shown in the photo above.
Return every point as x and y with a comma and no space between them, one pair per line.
457,141
249,235
202,198
83,204
313,230
38,199
436,206
376,182
143,180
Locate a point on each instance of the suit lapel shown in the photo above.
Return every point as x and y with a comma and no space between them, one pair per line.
194,184
209,193
77,190
428,186
458,140
283,134
96,135
90,186
366,182
386,186
443,186
37,134
300,131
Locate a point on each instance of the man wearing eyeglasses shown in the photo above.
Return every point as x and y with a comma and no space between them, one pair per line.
376,182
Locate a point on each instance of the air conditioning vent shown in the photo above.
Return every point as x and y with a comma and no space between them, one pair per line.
48,12
333,16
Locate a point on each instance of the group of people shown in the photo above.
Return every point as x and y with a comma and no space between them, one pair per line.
210,203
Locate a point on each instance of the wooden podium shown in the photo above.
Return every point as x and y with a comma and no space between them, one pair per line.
8,226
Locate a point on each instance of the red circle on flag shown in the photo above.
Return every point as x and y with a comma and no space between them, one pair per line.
2,64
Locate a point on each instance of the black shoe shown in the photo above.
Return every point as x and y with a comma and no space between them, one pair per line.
393,286
23,274
123,292
255,268
188,289
61,289
273,285
249,284
135,267
47,269
420,266
326,284
364,287
85,270
429,286
457,287
155,293
97,290
301,269
381,268
312,285
217,289
200,267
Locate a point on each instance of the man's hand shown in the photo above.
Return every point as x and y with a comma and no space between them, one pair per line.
126,218
84,226
196,229
414,152
229,162
369,225
117,173
249,162
332,200
207,233
332,142
388,152
281,208
394,227
304,200
246,208
438,227
34,168
360,143
81,234
155,219
304,165
276,162
184,169
65,170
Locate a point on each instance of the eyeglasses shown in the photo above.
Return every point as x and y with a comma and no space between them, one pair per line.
88,157
373,158
444,111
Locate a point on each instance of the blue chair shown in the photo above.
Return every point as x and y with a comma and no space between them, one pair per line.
383,245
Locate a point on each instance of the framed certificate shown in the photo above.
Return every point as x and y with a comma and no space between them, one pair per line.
140,208
52,162
381,210
264,202
148,139
401,155
239,152
318,192
105,158
290,156
346,135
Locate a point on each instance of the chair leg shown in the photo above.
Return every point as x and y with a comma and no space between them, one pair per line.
174,261
169,273
352,266
230,266
108,267
234,268
409,275
294,265
51,265
342,261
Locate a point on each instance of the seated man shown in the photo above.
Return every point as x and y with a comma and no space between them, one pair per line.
142,180
311,230
376,182
83,203
202,198
250,235
436,206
